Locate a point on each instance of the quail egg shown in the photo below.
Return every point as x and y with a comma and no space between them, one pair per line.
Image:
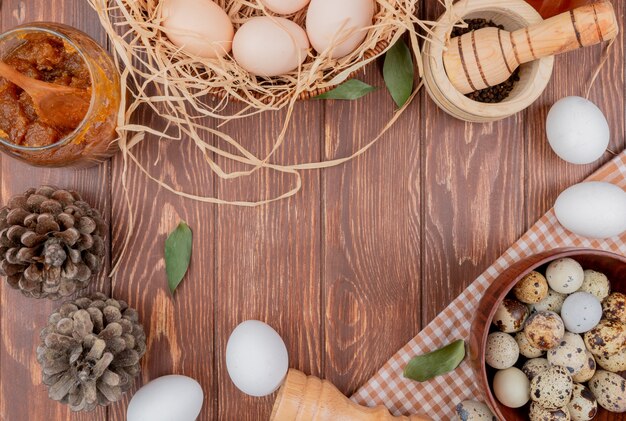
596,283
610,390
569,354
614,307
535,366
614,363
581,312
583,406
525,347
532,288
474,411
565,275
553,302
552,389
544,330
538,413
501,351
607,338
510,316
511,387
588,370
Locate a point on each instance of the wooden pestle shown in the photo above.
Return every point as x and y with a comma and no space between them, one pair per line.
489,56
307,398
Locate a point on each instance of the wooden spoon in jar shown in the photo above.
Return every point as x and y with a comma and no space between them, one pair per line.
57,105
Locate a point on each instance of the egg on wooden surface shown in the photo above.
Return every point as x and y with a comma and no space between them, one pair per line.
565,275
607,338
338,24
593,209
256,358
569,354
583,406
270,46
544,330
588,370
474,411
614,363
552,389
511,387
526,348
581,312
510,316
577,130
535,366
553,302
167,398
198,27
614,307
532,288
285,7
538,413
501,351
609,390
596,283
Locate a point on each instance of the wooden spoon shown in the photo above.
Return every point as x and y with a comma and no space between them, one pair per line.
57,105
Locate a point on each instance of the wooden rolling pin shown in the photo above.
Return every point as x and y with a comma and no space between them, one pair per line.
307,398
489,56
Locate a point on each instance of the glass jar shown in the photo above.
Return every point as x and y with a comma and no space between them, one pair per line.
94,140
549,8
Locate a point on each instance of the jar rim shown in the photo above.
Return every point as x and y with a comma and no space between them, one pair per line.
49,29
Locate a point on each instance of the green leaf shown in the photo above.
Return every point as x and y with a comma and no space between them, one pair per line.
350,90
177,255
399,72
436,363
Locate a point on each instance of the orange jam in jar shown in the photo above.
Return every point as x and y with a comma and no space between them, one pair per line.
61,55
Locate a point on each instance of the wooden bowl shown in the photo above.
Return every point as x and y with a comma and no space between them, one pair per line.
612,265
534,76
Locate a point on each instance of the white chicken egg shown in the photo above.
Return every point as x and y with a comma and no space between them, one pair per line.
256,358
577,130
167,398
511,387
581,312
285,7
186,24
593,209
341,25
270,46
565,275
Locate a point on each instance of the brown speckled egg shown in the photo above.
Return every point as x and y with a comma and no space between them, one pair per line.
609,390
526,348
544,330
532,288
583,406
474,411
510,316
614,307
613,363
570,354
552,389
553,302
606,339
588,370
537,413
535,366
501,351
596,283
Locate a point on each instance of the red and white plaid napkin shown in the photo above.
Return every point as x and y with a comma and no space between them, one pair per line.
438,397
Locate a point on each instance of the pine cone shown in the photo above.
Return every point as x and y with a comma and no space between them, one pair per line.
51,242
90,351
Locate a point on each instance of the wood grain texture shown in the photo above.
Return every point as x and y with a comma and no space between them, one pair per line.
347,271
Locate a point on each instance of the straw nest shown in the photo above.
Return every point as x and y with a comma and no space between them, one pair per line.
183,89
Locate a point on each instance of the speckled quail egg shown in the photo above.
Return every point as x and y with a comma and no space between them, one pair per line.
474,411
501,351
535,366
596,283
544,330
538,413
609,390
565,275
581,312
510,316
553,302
569,354
511,387
526,348
607,338
583,406
532,288
614,363
552,388
588,370
614,307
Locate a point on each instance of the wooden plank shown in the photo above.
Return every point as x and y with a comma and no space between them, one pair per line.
22,396
371,236
268,258
472,175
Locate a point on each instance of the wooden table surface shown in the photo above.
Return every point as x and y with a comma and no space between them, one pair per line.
347,271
